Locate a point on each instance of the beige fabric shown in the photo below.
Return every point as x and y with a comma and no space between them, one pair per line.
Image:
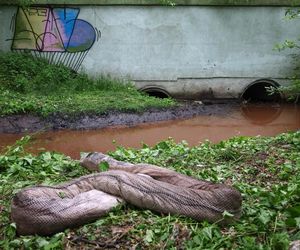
46,210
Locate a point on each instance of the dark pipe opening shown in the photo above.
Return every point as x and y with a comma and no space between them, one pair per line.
156,93
258,92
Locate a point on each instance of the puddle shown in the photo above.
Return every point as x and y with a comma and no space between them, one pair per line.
250,120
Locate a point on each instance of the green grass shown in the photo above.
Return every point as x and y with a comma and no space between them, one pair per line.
266,170
30,85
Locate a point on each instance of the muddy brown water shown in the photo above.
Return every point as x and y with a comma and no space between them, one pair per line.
250,120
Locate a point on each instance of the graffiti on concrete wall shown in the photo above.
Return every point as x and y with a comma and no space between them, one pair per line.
54,33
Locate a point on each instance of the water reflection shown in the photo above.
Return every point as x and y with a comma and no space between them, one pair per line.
261,114
246,120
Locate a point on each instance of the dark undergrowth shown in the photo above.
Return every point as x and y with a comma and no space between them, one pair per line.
31,85
266,170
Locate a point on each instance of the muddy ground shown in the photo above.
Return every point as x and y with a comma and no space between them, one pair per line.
31,123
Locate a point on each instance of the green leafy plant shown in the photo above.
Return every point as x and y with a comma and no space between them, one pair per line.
292,91
266,170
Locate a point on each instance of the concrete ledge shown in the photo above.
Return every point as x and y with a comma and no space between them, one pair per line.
161,2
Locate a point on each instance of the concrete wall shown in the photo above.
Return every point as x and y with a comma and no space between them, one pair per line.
190,51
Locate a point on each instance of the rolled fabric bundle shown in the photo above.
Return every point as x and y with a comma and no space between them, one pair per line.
46,210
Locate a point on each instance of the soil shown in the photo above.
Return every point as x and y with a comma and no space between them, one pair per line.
31,123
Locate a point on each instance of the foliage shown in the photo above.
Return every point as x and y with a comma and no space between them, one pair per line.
30,85
168,3
265,170
292,91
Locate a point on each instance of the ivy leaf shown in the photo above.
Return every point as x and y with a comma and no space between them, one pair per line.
264,217
28,160
62,195
149,236
47,156
297,222
103,166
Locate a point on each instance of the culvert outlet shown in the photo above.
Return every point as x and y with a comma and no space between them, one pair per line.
258,92
156,92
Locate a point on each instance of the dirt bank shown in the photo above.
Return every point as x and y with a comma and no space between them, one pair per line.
31,123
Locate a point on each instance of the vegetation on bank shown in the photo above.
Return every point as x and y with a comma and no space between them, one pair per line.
292,91
30,85
265,170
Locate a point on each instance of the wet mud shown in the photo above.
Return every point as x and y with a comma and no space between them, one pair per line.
30,123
